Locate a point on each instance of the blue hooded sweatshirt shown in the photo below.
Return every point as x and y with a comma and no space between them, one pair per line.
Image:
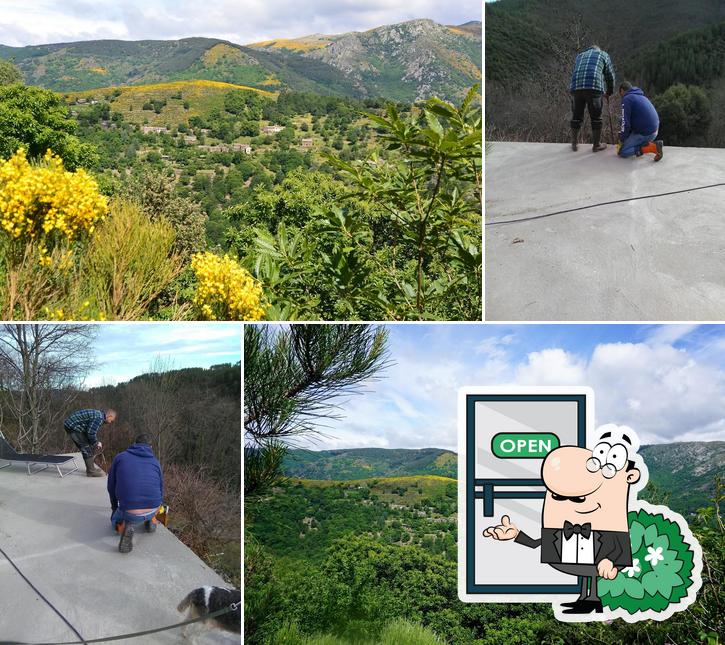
135,480
638,115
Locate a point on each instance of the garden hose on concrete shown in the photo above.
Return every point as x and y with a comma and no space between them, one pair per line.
214,614
616,201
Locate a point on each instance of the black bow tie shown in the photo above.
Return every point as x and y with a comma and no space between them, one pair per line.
580,529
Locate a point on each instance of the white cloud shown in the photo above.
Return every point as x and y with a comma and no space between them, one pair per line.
676,395
669,334
45,21
664,393
551,367
127,350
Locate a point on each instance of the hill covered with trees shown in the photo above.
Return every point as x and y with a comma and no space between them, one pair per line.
340,561
362,463
686,487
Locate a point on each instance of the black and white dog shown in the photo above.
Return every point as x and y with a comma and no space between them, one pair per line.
206,600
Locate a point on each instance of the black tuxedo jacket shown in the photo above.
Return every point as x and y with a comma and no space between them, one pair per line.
608,545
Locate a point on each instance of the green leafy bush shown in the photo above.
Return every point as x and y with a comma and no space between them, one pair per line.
661,571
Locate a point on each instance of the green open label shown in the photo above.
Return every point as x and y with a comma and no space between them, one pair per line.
523,445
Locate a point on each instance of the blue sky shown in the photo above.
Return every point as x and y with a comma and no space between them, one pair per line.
123,351
667,382
240,21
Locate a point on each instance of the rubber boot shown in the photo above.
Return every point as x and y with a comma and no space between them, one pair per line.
125,544
654,147
597,146
91,469
574,139
150,525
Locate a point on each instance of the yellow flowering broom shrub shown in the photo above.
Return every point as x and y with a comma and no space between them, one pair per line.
226,291
44,211
46,204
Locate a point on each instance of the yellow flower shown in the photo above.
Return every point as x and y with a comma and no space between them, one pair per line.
225,290
44,201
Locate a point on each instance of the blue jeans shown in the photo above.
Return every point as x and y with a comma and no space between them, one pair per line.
633,142
119,516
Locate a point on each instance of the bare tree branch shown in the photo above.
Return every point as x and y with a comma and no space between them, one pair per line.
42,366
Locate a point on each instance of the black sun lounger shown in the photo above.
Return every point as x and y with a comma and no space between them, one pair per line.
41,462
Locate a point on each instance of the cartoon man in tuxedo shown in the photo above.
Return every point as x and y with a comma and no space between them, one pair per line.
584,522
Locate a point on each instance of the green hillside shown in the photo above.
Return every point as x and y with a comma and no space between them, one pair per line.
696,57
682,473
163,104
361,463
407,62
90,64
529,27
302,518
345,558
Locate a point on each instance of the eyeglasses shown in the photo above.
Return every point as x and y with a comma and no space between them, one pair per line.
608,458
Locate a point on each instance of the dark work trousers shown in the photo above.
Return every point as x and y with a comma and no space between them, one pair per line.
592,100
588,573
80,439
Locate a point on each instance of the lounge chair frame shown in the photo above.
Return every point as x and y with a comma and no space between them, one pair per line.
34,463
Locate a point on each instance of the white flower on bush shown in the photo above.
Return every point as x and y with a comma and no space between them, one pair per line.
633,570
654,555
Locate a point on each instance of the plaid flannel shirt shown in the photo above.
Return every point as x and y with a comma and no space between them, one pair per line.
593,70
87,421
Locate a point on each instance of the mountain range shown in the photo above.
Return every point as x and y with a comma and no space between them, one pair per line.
681,473
407,62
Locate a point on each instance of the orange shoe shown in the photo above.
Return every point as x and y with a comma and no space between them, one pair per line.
654,147
119,527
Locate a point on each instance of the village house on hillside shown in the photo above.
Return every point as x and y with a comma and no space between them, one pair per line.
190,138
154,129
224,147
272,129
306,143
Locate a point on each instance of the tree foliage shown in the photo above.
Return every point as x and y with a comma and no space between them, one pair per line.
9,74
694,58
685,116
293,380
346,558
38,121
397,238
154,192
432,194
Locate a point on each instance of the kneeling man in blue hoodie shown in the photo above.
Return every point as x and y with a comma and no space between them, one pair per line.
640,124
136,489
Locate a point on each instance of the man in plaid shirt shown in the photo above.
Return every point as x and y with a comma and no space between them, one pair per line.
593,76
82,427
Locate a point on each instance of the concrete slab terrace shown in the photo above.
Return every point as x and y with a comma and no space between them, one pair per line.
58,532
652,259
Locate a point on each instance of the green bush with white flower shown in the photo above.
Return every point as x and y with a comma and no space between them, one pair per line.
661,571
